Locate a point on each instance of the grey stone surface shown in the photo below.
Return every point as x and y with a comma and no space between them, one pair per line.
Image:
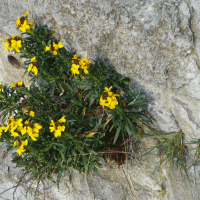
154,42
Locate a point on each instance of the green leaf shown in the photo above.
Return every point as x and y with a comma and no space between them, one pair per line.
96,170
43,43
91,151
117,133
128,130
85,160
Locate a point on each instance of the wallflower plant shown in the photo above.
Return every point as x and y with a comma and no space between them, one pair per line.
72,113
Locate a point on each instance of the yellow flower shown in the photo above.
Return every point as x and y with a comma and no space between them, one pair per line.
24,27
105,102
55,53
30,67
109,99
23,24
32,113
58,131
32,133
24,143
62,120
14,134
58,46
55,46
52,126
17,49
113,103
31,24
11,119
32,130
75,57
86,71
18,22
21,147
48,48
74,69
1,87
17,45
83,66
87,62
33,59
8,45
20,150
80,63
23,130
34,136
36,127
26,122
108,91
13,85
20,83
13,42
57,127
12,125
3,128
35,70
29,130
19,122
15,143
26,111
21,20
26,14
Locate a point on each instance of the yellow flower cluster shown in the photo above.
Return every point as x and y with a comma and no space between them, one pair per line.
108,98
21,145
33,66
57,127
13,125
79,64
54,48
17,85
23,24
27,112
1,87
31,129
13,41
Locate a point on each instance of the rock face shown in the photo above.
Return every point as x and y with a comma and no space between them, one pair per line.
154,42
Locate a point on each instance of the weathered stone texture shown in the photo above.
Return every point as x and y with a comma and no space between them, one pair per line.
154,42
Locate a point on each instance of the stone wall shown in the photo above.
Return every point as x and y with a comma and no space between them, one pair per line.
154,42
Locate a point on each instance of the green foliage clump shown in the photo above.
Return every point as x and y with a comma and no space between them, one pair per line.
72,111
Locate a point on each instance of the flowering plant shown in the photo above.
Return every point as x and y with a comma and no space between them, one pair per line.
73,111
